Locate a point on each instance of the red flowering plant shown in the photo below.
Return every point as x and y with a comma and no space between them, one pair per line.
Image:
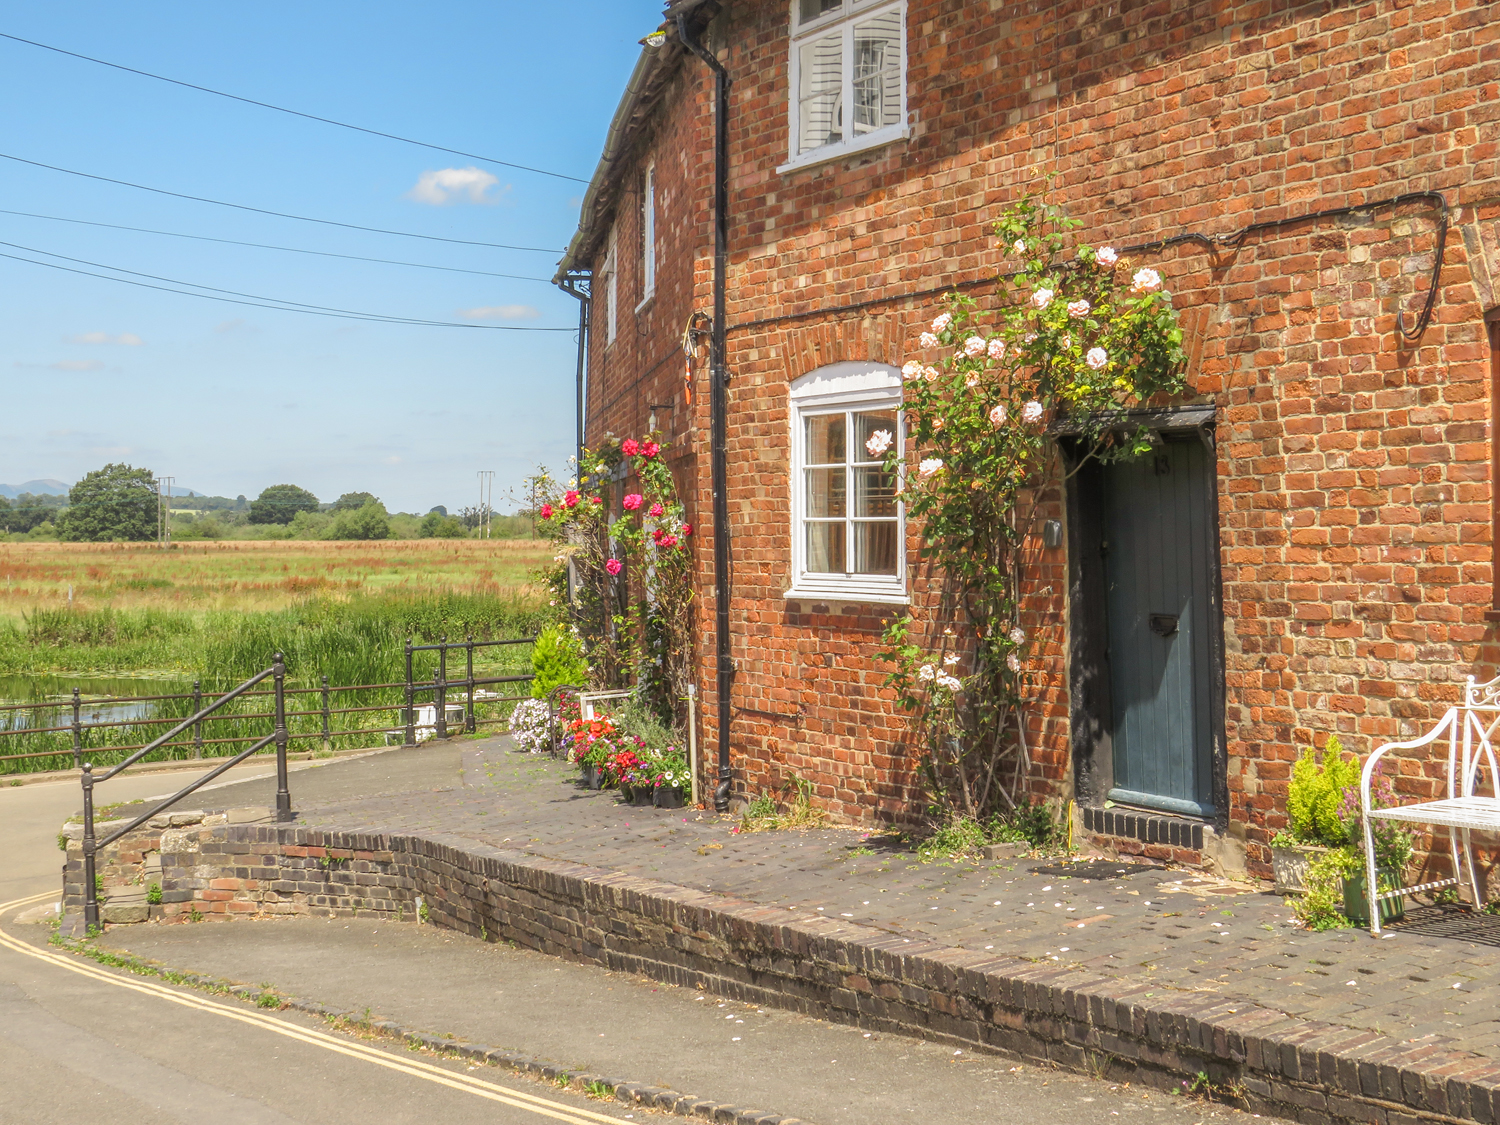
631,599
1078,336
592,740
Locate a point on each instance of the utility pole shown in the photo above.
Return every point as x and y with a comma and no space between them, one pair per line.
486,494
164,512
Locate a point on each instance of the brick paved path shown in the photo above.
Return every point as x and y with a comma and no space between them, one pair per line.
1160,927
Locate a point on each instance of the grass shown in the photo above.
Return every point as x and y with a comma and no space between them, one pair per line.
253,575
341,610
763,815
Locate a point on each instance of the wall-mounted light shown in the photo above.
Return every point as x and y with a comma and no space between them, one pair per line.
655,39
1052,534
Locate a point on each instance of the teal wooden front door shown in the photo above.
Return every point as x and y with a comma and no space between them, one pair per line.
1157,556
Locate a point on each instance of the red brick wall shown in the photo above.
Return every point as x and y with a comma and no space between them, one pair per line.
1354,472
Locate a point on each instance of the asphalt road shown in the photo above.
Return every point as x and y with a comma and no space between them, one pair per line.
81,1042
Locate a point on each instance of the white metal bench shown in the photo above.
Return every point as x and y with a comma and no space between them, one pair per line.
1469,727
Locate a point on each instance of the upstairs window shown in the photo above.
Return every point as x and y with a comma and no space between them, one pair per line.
848,77
611,289
646,225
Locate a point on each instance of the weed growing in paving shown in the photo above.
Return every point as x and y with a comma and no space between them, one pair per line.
761,814
268,1000
153,894
598,1090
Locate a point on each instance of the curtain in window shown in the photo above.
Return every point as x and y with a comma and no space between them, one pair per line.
819,97
877,72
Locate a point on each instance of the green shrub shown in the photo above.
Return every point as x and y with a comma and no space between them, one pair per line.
556,659
1317,791
1321,906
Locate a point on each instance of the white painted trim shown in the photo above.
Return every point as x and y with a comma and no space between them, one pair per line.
648,235
836,388
843,19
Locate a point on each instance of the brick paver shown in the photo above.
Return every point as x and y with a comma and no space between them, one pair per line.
1164,930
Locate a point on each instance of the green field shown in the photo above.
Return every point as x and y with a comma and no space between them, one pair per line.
217,614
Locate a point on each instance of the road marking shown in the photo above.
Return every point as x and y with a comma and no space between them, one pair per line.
412,1067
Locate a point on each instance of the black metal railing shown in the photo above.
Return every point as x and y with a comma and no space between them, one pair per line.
323,721
278,735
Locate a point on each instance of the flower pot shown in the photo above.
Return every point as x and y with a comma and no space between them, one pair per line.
592,776
1289,865
668,797
643,796
1356,902
627,793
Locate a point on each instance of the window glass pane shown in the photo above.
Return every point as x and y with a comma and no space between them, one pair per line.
825,548
877,72
826,493
874,492
874,547
825,439
812,9
820,111
868,424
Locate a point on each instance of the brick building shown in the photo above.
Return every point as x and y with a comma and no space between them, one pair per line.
1307,176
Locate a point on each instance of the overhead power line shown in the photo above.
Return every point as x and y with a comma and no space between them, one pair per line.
235,297
270,246
276,214
294,112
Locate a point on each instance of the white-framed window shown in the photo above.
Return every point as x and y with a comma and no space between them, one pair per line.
848,525
847,88
646,226
611,290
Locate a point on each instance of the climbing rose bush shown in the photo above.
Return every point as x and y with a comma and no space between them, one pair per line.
1076,340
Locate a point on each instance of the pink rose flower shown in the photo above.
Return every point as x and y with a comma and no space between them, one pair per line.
546,511
631,502
596,500
614,566
997,348
974,346
971,380
669,540
931,374
927,340
997,414
1078,309
656,509
911,369
650,449
687,529
570,499
943,320
1042,298
630,447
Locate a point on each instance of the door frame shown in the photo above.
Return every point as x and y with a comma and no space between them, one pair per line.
1090,706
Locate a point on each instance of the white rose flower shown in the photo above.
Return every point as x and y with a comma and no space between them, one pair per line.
974,346
930,466
951,659
1042,298
879,442
1097,358
943,320
1031,412
997,414
1020,246
1107,255
926,672
930,374
971,380
1013,662
911,369
996,348
1078,309
927,340
1145,281
1017,635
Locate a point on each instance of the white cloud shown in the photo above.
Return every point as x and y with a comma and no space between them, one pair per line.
76,365
501,312
124,339
456,185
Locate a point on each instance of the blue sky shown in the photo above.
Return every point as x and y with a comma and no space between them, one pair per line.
230,399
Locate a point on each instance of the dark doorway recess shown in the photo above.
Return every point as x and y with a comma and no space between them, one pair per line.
1146,636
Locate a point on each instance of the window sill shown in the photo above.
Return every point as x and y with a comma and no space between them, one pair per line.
829,153
846,594
646,300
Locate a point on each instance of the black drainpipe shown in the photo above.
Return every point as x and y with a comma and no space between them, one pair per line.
578,284
718,405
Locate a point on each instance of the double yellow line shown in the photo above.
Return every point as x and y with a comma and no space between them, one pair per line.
414,1068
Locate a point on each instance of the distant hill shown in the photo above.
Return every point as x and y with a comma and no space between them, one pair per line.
36,487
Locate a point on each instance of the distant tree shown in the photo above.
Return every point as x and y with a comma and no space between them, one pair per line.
436,525
280,502
353,502
30,510
240,504
115,502
473,517
366,522
439,509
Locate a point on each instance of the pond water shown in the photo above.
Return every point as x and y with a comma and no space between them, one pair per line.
50,699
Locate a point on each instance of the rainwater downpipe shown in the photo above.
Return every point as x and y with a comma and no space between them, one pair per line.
580,285
718,405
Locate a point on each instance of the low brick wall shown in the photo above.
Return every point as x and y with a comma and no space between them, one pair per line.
1271,1061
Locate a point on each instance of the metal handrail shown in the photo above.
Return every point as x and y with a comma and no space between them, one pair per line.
278,734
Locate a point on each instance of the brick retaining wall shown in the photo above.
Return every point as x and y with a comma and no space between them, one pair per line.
826,968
